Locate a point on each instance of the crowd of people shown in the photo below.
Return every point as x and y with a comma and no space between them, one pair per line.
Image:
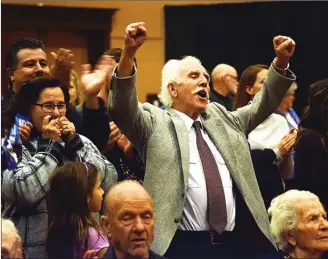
222,171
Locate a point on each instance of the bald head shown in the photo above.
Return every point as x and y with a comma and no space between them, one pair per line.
222,70
125,190
130,220
225,80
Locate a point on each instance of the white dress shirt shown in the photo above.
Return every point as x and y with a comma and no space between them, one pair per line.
269,133
291,121
194,217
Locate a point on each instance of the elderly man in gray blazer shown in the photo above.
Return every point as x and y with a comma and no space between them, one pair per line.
201,178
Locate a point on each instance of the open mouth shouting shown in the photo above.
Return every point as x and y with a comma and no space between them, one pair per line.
202,93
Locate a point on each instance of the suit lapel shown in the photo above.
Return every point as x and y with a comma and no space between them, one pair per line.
183,142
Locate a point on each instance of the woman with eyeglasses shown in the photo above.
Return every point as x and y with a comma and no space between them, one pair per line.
53,142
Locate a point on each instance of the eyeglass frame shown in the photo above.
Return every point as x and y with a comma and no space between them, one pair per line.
54,106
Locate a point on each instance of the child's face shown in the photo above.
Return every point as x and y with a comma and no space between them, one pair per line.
96,198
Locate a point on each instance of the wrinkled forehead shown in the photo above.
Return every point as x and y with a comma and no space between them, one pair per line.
308,207
191,66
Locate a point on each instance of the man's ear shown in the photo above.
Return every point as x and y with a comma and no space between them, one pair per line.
249,90
172,88
10,74
105,226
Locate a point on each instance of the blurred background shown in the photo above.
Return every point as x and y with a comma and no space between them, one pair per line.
238,33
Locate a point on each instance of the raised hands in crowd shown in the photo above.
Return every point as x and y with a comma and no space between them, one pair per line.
287,143
182,160
64,61
91,112
135,36
284,48
93,79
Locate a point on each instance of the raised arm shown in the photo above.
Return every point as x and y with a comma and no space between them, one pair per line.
64,61
93,114
276,84
130,117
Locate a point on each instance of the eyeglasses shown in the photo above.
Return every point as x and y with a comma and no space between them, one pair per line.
50,107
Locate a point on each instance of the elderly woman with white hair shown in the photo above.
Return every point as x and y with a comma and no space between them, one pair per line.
11,244
286,107
299,224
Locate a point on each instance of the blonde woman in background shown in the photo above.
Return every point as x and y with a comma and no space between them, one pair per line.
74,89
11,244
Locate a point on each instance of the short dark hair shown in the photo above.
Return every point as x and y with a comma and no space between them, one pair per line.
25,43
116,53
28,95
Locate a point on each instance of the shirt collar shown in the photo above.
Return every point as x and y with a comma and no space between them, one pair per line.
187,120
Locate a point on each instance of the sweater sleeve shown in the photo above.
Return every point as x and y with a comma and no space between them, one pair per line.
28,183
88,152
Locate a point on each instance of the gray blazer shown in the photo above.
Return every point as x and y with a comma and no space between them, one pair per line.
162,139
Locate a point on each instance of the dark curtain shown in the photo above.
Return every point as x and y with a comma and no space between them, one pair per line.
241,35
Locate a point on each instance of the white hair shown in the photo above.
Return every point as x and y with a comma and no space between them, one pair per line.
7,226
284,215
171,73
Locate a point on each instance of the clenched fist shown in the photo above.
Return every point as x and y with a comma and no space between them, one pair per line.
284,48
135,36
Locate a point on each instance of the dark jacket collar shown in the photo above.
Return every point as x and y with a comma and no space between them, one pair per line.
110,254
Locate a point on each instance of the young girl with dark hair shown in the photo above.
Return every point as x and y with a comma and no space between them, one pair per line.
75,193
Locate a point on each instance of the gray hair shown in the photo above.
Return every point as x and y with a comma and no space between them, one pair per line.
171,73
7,226
284,215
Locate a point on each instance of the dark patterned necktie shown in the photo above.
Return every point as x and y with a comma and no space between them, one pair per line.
217,211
